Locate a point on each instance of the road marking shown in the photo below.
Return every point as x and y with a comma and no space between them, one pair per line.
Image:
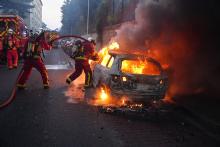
57,67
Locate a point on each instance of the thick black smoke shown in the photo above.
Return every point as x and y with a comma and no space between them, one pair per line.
181,33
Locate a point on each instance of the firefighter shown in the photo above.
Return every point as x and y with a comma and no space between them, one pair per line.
32,58
10,43
85,51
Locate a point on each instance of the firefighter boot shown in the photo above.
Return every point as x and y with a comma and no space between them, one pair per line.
10,67
85,87
46,86
68,81
21,86
88,86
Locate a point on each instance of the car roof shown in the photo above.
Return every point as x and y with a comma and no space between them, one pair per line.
132,54
120,52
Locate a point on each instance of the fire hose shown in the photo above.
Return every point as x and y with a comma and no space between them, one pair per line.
12,96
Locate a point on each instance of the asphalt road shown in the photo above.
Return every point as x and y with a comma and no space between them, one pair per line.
60,117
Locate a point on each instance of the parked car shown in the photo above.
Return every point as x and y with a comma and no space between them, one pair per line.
131,74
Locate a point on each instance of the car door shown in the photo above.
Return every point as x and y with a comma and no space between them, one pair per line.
101,71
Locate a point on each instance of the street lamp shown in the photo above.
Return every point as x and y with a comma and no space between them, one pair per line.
88,18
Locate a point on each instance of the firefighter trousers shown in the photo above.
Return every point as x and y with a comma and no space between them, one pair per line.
27,67
80,66
12,58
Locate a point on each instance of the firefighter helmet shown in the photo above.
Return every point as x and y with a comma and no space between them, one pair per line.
10,31
37,32
24,34
90,39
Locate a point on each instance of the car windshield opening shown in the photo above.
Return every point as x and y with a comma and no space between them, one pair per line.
136,66
105,60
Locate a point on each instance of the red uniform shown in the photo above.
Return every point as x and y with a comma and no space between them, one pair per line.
12,54
84,53
23,42
33,58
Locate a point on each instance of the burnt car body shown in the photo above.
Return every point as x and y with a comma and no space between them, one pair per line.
108,72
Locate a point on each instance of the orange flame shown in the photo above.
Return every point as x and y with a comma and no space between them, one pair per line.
139,67
103,53
104,98
129,66
103,95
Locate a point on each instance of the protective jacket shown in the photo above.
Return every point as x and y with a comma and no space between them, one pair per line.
86,52
10,43
33,49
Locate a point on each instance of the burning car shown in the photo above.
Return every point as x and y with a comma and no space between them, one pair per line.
130,74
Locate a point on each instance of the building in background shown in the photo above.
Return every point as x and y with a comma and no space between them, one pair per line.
33,20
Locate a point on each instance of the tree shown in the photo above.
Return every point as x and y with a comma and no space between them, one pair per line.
74,18
102,13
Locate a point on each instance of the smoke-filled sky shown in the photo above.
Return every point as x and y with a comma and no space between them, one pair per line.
52,13
182,34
